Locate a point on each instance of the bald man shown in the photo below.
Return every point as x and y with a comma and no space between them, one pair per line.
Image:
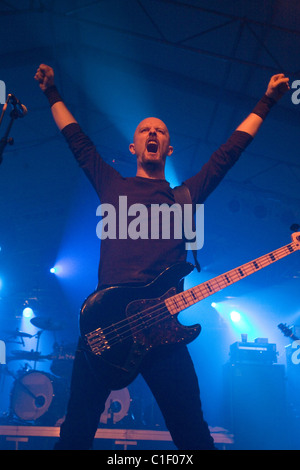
137,261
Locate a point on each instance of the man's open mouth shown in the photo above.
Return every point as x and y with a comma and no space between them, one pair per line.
152,146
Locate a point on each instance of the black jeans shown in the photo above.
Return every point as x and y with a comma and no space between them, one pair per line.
170,375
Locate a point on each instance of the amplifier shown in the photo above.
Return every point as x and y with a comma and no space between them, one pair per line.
257,352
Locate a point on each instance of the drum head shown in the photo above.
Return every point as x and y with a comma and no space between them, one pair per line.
116,406
32,395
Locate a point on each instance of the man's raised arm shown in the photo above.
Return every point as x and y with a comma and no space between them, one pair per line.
61,114
96,169
277,87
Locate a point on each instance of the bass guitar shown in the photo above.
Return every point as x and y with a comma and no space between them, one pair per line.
120,325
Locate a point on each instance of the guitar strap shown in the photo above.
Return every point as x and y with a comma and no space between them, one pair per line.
182,196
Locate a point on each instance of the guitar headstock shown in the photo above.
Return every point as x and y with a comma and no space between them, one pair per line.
296,239
285,329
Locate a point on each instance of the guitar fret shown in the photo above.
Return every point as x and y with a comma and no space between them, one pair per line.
180,302
217,284
184,300
255,264
191,296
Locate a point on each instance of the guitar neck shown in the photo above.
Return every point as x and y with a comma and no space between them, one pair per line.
183,300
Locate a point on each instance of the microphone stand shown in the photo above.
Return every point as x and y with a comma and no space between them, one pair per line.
5,139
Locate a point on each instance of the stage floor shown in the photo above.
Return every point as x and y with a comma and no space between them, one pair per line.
24,437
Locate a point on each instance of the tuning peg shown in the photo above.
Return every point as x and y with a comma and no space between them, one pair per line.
295,227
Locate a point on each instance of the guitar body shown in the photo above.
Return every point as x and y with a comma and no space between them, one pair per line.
120,325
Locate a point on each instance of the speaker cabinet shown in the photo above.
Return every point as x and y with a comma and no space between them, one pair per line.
255,405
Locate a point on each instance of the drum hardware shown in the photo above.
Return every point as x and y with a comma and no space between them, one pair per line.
36,396
17,334
29,356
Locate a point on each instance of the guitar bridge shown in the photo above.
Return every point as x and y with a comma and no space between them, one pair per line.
97,341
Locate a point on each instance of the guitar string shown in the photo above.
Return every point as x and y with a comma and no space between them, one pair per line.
162,313
158,309
235,276
141,327
161,308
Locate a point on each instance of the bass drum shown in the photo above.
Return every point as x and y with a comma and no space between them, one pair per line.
39,397
116,407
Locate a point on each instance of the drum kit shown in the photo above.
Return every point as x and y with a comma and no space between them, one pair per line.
39,397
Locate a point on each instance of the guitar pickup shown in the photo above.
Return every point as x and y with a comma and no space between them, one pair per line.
97,341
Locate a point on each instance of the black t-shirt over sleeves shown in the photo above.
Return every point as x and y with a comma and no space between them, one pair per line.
96,169
212,172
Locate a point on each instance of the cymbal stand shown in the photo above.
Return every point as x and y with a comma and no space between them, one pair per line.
5,139
38,336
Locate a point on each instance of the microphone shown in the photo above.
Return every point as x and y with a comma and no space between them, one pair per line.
20,108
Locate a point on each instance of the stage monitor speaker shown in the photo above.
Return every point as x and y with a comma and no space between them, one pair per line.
255,405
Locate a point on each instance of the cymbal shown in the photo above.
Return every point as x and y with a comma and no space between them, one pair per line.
17,333
46,324
29,355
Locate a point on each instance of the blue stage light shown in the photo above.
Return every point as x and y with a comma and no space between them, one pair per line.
27,312
55,270
235,316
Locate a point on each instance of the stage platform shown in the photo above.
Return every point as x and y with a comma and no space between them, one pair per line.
25,437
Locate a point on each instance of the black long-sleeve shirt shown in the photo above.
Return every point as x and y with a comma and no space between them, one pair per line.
126,260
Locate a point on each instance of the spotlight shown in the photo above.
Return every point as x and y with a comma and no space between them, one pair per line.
213,304
27,312
235,316
30,307
55,270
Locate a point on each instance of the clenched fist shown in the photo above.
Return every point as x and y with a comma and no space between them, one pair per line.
278,86
45,76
